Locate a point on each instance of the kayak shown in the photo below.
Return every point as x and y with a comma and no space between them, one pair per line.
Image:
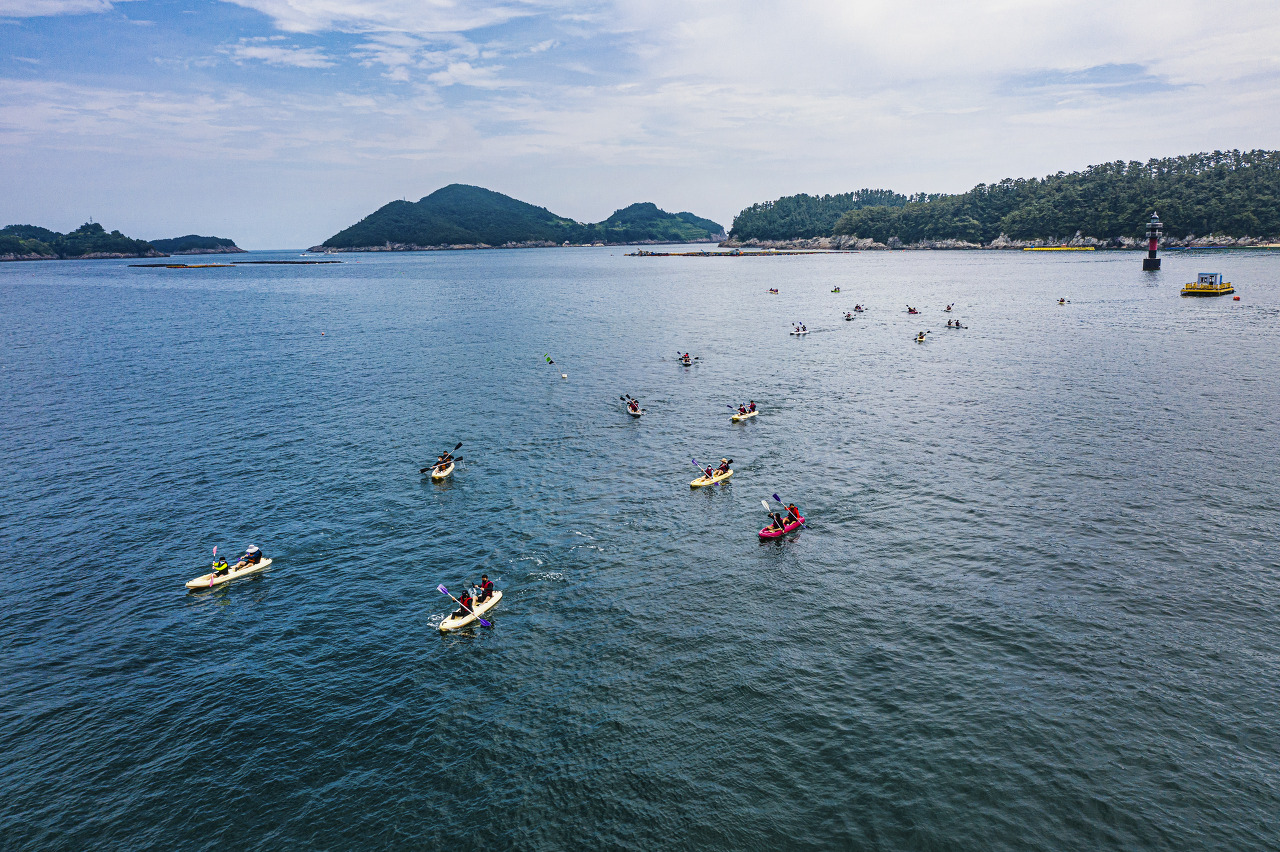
772,533
639,413
702,480
451,623
687,363
848,319
738,417
207,580
798,333
442,474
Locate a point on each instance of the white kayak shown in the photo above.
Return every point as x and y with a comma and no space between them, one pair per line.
639,413
206,581
735,418
797,333
438,474
451,623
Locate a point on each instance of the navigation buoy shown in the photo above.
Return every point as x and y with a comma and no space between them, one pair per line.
564,375
1235,298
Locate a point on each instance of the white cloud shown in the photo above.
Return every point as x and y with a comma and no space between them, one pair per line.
256,50
42,8
410,16
465,74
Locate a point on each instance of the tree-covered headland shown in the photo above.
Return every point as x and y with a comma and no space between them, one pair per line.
31,242
1229,194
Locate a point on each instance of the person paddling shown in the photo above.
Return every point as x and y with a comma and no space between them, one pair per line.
752,406
486,589
220,566
777,522
467,604
252,556
724,466
634,405
742,409
793,511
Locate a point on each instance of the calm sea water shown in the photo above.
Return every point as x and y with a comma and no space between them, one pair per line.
1035,607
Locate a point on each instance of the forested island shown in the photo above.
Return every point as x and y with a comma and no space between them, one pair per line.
461,216
90,240
1217,198
194,244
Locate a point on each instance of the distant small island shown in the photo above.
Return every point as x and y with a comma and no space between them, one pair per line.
459,216
193,244
90,240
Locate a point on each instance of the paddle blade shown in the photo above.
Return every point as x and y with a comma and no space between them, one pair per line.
766,505
776,497
442,590
459,444
482,621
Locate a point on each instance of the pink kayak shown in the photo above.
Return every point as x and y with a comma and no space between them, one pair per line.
769,532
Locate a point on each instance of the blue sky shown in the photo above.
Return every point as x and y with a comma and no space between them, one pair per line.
279,122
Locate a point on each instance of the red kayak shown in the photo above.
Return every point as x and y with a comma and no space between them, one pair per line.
768,532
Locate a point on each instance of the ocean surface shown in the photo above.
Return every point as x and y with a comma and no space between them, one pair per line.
1035,606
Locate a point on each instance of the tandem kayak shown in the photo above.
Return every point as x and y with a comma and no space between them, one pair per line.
768,532
798,333
206,581
738,417
719,477
438,475
452,623
639,413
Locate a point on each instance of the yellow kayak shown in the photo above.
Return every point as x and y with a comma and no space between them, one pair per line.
738,418
438,474
702,480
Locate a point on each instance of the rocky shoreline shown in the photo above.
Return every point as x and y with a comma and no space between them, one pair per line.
97,255
849,243
322,249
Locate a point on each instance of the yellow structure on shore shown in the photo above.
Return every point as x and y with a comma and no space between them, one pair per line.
1208,284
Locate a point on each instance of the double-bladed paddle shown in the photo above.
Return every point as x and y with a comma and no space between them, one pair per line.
442,590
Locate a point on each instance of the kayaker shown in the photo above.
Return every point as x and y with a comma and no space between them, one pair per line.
486,588
724,466
709,472
778,523
793,511
466,603
949,307
752,406
220,566
742,409
634,405
252,556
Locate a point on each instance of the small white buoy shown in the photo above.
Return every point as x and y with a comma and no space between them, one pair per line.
564,375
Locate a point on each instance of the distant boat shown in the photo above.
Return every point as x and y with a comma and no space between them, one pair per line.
1208,284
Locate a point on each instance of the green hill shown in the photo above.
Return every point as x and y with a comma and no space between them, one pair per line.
1228,194
470,215
193,244
804,216
26,242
